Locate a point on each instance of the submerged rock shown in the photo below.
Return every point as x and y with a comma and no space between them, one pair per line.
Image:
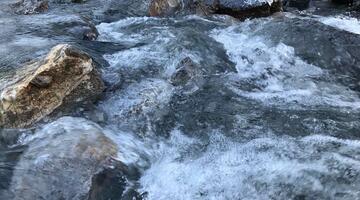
185,71
83,28
65,78
61,161
27,7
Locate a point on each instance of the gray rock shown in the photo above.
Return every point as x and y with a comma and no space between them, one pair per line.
61,161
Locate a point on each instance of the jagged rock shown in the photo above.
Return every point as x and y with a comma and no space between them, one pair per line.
27,7
62,160
240,9
66,78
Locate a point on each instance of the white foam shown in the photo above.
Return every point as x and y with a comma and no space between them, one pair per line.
262,168
281,78
342,22
32,41
161,47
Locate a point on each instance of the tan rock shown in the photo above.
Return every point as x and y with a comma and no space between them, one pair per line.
164,7
67,76
28,7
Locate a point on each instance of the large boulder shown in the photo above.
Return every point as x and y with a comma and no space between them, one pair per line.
62,160
243,9
66,78
240,9
27,7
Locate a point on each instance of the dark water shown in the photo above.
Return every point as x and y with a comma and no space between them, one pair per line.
272,112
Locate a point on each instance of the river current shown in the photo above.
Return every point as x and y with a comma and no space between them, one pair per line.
272,111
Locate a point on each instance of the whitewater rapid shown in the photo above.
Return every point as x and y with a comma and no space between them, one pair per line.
266,114
253,160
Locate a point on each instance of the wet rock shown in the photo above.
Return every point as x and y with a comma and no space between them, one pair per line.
27,7
242,9
111,183
185,71
83,29
61,161
298,4
238,9
346,2
168,7
66,78
90,32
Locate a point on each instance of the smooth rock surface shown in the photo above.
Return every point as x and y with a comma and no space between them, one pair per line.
66,77
61,160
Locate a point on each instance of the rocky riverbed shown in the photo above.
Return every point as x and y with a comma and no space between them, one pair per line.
170,99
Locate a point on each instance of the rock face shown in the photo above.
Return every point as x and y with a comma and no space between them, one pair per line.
240,9
65,78
27,7
62,160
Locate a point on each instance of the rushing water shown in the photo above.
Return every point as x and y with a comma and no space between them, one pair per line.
272,112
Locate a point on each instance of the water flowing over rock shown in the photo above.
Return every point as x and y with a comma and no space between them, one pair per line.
200,104
66,77
61,159
185,71
27,7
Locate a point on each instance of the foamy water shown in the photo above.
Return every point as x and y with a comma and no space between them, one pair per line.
346,23
257,122
252,163
280,76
